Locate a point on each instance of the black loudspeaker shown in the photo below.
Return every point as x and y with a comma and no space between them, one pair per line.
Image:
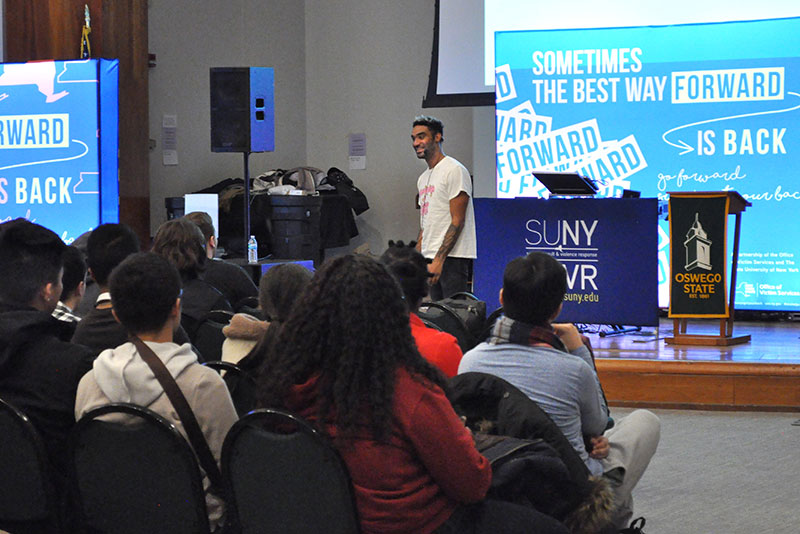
242,109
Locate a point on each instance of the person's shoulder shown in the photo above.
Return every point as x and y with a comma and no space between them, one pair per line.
452,165
443,338
426,334
475,355
218,264
95,317
455,175
575,358
412,386
198,292
453,162
235,274
487,354
70,359
485,348
99,330
201,375
63,350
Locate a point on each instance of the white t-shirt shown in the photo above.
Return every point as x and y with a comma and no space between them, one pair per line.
436,188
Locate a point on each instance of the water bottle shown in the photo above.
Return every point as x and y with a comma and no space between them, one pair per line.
252,250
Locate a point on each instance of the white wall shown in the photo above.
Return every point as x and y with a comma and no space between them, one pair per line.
366,71
341,66
483,152
191,36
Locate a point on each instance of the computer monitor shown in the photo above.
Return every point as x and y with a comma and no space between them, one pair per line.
566,183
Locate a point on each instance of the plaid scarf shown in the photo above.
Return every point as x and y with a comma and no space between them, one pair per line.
510,331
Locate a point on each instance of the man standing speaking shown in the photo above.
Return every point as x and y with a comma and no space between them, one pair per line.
447,220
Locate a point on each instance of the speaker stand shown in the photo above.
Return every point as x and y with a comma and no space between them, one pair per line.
246,200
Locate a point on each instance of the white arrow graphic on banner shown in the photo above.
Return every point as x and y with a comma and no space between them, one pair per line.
687,148
30,163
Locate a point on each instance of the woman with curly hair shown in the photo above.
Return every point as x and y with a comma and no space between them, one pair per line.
410,268
346,361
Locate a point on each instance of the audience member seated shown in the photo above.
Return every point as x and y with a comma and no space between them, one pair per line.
91,289
39,368
145,290
551,365
181,242
230,279
74,283
279,288
346,361
106,247
411,270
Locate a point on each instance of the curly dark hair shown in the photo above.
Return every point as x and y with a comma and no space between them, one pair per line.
410,268
351,328
431,123
144,288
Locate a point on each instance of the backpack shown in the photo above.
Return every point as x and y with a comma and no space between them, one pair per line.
344,186
461,315
303,178
470,309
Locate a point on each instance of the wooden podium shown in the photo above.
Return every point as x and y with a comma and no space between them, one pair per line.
698,270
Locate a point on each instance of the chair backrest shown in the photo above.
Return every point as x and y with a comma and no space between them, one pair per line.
208,337
282,476
131,471
27,497
241,385
249,305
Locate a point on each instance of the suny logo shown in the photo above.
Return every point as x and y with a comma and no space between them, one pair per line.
571,243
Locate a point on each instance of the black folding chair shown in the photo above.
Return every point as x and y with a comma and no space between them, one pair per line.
27,498
131,471
249,305
241,385
208,337
282,476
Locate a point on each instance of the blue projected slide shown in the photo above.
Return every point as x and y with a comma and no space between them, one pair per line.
58,144
702,107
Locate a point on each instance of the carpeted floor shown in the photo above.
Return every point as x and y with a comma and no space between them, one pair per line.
722,473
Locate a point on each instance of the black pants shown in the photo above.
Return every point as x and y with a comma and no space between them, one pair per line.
456,273
492,517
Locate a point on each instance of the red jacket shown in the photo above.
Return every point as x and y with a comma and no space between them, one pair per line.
439,348
430,464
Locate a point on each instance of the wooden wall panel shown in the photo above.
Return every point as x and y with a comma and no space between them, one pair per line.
128,19
51,29
704,385
667,388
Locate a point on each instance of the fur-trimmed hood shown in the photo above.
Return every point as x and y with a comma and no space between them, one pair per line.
245,326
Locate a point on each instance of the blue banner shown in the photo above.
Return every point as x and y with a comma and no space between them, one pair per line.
606,246
59,143
701,107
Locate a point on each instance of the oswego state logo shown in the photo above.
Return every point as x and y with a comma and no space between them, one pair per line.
698,247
